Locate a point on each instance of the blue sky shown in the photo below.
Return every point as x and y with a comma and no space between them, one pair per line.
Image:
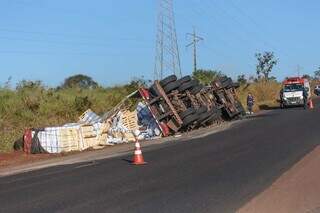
114,40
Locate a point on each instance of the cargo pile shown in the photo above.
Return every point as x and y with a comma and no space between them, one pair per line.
167,107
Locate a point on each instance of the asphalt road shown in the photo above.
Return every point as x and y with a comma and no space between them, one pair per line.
218,173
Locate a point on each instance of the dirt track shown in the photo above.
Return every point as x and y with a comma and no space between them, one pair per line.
296,191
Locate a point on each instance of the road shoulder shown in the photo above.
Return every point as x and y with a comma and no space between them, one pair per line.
296,191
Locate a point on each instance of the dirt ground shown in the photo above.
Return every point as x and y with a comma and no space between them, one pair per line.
296,191
19,157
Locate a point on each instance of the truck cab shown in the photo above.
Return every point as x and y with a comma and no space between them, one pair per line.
293,91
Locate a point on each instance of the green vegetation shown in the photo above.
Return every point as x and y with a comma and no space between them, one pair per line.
266,62
31,104
317,74
206,76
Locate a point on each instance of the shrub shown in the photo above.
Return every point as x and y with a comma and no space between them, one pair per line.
33,105
266,93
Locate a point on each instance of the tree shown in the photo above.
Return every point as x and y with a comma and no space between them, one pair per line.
307,77
79,81
31,85
272,78
266,62
242,79
317,73
206,76
135,83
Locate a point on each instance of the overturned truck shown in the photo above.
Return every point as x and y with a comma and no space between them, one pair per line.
184,104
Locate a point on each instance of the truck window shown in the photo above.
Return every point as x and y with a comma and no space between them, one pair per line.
293,88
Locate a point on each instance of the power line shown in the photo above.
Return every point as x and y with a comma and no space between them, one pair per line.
265,42
223,11
58,42
72,35
214,53
201,12
23,52
195,40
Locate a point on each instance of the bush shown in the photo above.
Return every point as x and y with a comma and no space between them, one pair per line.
33,105
266,93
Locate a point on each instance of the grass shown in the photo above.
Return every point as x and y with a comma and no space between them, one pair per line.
265,94
39,107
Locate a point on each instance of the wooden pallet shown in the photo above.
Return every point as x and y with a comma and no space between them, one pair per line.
69,139
130,119
88,131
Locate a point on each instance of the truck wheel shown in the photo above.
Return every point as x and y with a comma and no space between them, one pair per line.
213,117
153,90
196,89
185,79
235,85
190,119
204,116
171,86
188,85
240,108
186,113
202,109
228,83
167,80
223,79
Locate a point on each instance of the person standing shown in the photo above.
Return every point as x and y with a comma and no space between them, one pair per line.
250,103
305,98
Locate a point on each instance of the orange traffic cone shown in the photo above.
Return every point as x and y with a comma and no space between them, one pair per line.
311,104
138,158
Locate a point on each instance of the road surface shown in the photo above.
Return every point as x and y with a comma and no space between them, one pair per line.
217,173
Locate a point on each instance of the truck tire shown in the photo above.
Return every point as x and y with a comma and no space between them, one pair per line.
204,116
196,89
167,80
171,86
188,85
235,85
185,79
190,119
186,113
227,83
214,117
153,90
202,109
223,79
240,108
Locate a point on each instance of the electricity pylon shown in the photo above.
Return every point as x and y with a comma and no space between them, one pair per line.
167,59
195,40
